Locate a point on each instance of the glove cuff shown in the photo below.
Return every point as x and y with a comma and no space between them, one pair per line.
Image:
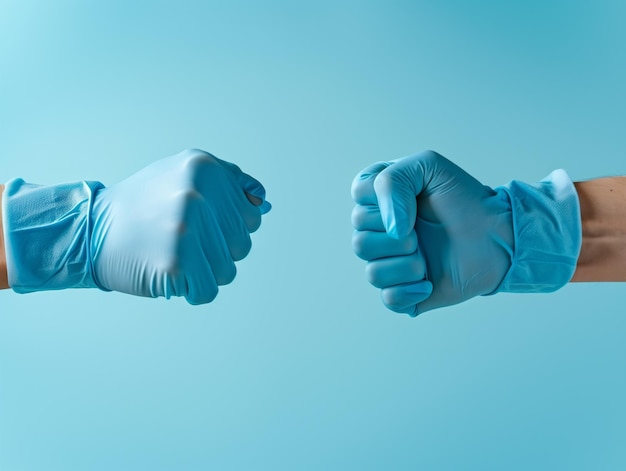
548,234
46,235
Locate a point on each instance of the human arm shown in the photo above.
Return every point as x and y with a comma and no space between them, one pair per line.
4,284
603,213
175,228
434,236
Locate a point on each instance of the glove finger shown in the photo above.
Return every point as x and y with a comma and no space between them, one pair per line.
367,218
219,243
363,184
233,212
391,271
396,188
406,298
232,206
235,219
247,211
249,202
252,187
264,206
202,287
247,217
370,245
236,234
249,184
254,200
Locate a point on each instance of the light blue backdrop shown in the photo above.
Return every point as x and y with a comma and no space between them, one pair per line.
297,365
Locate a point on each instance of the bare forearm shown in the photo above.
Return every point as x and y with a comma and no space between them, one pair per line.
3,264
603,213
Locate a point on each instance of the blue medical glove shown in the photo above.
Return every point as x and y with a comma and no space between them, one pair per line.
435,236
175,228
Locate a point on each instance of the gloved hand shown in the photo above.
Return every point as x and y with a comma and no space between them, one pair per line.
175,228
434,236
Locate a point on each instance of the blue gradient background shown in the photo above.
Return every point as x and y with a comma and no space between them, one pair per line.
297,365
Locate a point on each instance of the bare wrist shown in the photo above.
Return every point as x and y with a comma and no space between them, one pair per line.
4,283
603,215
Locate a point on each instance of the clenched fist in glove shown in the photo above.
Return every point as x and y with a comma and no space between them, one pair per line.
434,236
175,228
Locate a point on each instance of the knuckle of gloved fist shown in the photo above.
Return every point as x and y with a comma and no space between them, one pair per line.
376,274
196,159
360,244
427,158
356,216
370,245
396,299
360,191
430,154
367,218
360,217
192,154
208,294
234,168
384,183
253,220
240,249
396,302
189,196
225,274
395,270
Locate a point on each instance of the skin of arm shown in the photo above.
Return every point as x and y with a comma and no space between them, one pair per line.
4,284
603,213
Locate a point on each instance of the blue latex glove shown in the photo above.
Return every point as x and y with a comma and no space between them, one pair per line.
175,228
434,236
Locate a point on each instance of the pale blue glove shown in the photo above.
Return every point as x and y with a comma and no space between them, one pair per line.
175,228
434,236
